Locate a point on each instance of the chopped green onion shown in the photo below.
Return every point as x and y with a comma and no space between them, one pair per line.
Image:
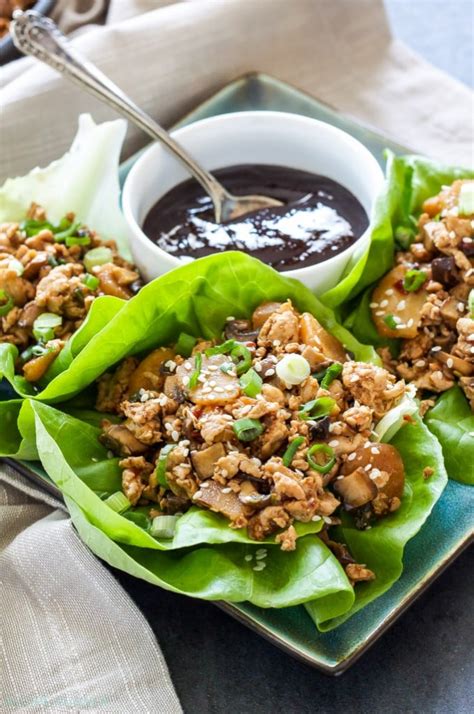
317,408
15,265
193,380
247,429
331,373
6,303
293,369
242,357
34,351
185,344
321,449
160,471
466,199
140,519
394,419
390,322
44,325
77,240
470,303
62,235
404,236
32,227
164,526
251,383
223,349
118,502
413,280
289,454
97,256
91,281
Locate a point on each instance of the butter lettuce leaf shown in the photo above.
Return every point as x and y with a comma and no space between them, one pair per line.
196,298
381,547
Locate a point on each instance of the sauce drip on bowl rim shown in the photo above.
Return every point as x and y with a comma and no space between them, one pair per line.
319,218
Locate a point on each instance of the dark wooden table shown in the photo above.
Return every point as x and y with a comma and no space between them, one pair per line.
424,664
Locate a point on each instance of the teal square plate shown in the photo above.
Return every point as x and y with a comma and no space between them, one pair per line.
449,528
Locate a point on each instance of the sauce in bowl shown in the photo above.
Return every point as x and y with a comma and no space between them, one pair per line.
319,218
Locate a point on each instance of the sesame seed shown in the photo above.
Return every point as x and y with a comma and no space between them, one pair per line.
352,456
260,566
186,381
269,373
224,473
261,556
219,389
471,350
206,390
231,317
226,490
452,234
201,378
198,494
460,307
437,348
93,458
326,519
168,427
384,303
334,442
316,518
261,551
368,467
375,450
175,435
402,305
367,444
389,291
248,558
110,454
339,478
449,362
212,383
379,313
205,485
258,366
213,367
420,363
467,239
375,473
410,322
373,304
401,326
277,343
229,387
354,378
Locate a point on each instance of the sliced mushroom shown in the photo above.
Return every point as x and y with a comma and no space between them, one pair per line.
456,364
215,387
356,489
444,270
148,374
240,330
211,495
390,299
383,457
205,460
312,333
120,439
263,312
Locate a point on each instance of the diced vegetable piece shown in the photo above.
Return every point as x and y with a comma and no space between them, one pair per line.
36,368
293,369
332,372
314,334
247,429
44,326
6,303
91,281
97,256
251,383
289,454
214,387
317,408
161,465
148,374
457,364
413,280
204,461
185,344
390,299
263,312
164,526
213,497
393,420
118,502
466,199
383,457
356,489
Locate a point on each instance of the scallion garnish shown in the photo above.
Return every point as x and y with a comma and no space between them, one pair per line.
185,344
247,429
293,369
413,280
317,408
97,256
31,227
470,303
34,351
321,449
90,281
223,349
390,322
330,375
251,383
404,236
118,502
193,380
62,235
77,240
160,471
139,518
6,303
289,454
44,326
242,357
466,199
163,526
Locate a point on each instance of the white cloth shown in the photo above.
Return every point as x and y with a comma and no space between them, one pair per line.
173,57
71,640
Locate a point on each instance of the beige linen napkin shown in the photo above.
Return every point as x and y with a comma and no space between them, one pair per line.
173,57
71,640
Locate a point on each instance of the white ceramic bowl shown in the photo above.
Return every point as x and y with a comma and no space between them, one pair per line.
251,137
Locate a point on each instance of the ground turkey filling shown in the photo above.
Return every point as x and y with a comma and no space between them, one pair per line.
43,271
271,476
425,299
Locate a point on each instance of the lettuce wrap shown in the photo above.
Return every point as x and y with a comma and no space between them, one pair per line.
207,559
410,181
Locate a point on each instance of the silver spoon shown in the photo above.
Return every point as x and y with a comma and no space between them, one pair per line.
36,35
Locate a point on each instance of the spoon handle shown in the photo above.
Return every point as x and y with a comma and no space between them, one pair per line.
36,35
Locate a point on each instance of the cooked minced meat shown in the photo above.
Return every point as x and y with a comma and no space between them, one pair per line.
249,437
47,269
425,299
